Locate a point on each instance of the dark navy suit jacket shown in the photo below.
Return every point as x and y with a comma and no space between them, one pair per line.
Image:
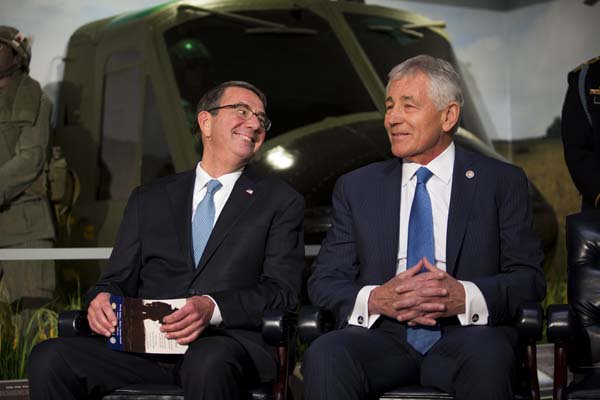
253,260
489,239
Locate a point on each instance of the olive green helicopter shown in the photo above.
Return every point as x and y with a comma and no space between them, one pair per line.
131,82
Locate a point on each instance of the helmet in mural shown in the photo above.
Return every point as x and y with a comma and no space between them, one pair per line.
19,42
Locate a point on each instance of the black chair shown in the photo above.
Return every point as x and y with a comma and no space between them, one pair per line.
574,328
314,321
278,330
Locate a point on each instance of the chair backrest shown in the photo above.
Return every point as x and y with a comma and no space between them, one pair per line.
583,260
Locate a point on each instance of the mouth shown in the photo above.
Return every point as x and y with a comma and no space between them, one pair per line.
245,137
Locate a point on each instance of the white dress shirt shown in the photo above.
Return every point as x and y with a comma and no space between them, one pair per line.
221,196
439,187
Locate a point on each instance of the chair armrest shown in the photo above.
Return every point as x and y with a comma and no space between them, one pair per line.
530,322
278,326
73,323
559,331
313,322
560,323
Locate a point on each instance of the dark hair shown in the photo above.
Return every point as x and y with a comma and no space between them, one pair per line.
212,98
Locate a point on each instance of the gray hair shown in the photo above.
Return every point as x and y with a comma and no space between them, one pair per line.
212,98
444,81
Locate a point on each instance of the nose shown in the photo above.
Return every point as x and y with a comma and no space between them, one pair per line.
394,116
253,123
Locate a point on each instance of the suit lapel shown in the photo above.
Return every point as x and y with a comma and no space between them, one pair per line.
386,225
242,196
464,185
181,192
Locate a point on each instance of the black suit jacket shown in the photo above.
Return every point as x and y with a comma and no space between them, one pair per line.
253,260
580,138
489,239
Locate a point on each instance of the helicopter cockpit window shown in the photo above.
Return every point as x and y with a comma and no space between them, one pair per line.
387,42
301,66
120,125
156,157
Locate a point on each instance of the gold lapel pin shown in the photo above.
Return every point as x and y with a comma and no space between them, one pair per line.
470,174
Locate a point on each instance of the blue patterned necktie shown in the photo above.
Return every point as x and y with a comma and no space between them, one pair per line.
420,244
204,218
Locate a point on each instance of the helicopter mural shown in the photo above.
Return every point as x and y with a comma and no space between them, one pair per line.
126,108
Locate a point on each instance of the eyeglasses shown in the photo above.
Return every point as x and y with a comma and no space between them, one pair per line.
246,113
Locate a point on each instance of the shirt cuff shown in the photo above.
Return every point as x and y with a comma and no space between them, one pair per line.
476,311
360,314
216,318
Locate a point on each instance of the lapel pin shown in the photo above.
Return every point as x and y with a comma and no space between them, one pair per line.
249,191
470,174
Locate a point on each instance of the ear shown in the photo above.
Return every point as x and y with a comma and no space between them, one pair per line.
450,116
205,123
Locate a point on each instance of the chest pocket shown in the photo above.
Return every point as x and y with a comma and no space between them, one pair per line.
9,136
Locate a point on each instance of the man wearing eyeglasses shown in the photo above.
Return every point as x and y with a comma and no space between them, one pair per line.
229,241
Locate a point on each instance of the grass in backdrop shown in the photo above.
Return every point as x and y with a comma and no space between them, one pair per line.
543,162
21,330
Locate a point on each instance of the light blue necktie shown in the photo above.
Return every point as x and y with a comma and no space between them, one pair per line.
204,218
420,244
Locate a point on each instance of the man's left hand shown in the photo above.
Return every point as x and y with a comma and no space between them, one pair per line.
186,324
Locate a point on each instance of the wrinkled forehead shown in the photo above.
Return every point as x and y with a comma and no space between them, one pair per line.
412,85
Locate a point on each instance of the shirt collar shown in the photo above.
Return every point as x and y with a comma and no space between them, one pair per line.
227,180
441,166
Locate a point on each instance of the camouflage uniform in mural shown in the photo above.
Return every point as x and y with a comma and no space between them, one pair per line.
25,214
581,131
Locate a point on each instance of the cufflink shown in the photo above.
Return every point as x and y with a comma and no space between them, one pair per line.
360,319
475,318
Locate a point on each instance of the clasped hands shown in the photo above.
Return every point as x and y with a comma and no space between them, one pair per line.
419,298
184,325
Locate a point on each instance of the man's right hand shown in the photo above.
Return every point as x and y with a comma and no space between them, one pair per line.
407,291
101,317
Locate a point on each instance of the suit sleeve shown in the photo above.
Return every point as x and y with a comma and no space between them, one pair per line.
581,156
521,277
333,285
121,276
278,286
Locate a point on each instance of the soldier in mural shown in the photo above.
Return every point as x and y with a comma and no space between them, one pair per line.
581,131
25,215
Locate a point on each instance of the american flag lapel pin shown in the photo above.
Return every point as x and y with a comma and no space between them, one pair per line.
249,191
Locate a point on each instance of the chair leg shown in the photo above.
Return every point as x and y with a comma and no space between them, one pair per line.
531,361
560,371
279,386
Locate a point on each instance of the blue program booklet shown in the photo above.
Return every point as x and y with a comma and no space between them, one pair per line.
138,325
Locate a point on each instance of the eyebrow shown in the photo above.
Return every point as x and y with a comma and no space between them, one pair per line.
261,113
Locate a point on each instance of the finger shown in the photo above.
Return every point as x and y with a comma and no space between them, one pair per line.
189,339
415,269
431,307
422,321
408,315
432,292
186,331
179,324
429,266
406,303
177,315
434,315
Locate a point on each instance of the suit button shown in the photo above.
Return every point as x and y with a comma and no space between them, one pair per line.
475,317
360,319
192,292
